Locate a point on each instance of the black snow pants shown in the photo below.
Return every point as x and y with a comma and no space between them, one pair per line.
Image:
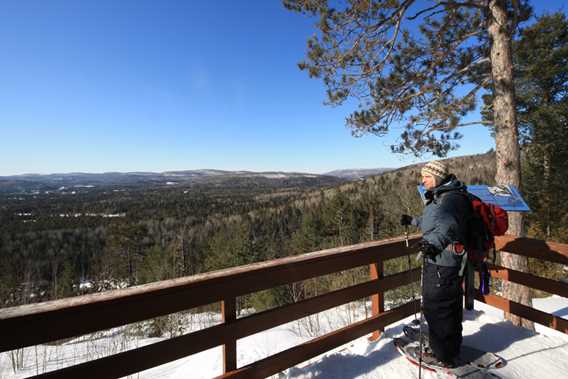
443,309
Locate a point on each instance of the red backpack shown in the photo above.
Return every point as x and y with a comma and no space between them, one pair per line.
486,222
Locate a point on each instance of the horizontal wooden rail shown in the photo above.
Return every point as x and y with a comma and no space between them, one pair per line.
548,251
146,357
526,312
44,322
49,321
529,280
293,356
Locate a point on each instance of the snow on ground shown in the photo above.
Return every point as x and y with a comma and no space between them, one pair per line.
528,355
555,305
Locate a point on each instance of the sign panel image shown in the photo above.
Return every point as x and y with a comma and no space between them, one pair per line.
507,197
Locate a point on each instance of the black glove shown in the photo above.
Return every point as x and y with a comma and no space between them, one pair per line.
427,248
405,220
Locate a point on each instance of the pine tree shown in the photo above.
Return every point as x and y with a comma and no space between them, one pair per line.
541,71
541,74
422,65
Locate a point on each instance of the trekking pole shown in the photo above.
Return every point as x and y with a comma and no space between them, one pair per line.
421,315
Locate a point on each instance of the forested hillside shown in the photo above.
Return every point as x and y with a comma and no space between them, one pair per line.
54,246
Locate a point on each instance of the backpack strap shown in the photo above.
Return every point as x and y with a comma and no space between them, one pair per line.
463,264
469,286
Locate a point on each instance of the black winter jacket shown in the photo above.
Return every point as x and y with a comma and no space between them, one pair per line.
444,220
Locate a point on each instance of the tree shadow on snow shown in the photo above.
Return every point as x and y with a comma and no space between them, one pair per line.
471,315
346,365
497,337
563,312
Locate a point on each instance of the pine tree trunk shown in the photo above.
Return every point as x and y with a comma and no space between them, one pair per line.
506,141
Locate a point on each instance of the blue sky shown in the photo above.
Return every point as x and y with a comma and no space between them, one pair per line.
97,86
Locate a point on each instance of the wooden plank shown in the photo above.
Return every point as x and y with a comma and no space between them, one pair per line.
529,247
377,300
529,280
66,318
279,316
291,357
143,358
229,312
146,357
525,312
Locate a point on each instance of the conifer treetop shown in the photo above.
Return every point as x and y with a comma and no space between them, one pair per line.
417,64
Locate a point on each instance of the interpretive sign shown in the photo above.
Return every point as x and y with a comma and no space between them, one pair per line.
507,197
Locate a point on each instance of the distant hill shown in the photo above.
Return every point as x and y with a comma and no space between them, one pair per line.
357,173
84,181
468,168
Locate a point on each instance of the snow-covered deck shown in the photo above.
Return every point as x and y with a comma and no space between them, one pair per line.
543,354
529,355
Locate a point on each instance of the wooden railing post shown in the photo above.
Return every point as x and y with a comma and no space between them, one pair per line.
229,311
378,300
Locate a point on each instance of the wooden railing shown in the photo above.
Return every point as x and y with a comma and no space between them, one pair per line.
34,324
532,248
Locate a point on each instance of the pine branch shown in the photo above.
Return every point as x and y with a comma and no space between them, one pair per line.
412,18
480,122
388,21
466,69
467,4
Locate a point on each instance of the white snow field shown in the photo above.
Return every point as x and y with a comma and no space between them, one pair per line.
528,355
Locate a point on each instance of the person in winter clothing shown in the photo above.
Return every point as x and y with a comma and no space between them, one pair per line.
444,227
